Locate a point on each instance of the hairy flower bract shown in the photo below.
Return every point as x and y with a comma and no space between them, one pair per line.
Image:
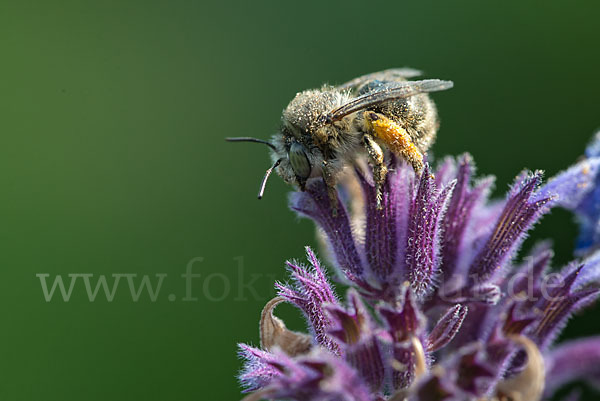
439,307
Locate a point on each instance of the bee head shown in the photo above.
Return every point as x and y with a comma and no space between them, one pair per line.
296,155
304,114
291,156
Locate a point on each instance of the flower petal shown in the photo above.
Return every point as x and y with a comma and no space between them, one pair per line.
404,322
259,367
408,363
527,277
558,304
367,358
591,273
588,209
381,240
309,292
318,376
574,360
446,328
462,202
423,249
572,185
350,324
314,203
521,211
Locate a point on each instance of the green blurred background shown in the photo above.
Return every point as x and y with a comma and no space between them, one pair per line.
112,118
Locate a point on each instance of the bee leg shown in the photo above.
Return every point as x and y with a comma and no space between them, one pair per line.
375,154
397,140
301,183
329,179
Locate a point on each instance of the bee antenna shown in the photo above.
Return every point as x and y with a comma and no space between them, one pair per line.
249,139
263,184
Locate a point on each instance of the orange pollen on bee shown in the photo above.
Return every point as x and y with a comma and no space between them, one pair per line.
395,138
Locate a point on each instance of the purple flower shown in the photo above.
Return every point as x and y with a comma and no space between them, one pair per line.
439,307
587,205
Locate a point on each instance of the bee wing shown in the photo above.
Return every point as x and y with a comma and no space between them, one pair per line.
393,74
394,91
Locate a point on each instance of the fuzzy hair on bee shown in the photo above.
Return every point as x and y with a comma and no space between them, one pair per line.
324,130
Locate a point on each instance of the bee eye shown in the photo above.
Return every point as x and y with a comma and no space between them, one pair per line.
299,160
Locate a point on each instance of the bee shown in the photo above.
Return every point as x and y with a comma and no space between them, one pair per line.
324,130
